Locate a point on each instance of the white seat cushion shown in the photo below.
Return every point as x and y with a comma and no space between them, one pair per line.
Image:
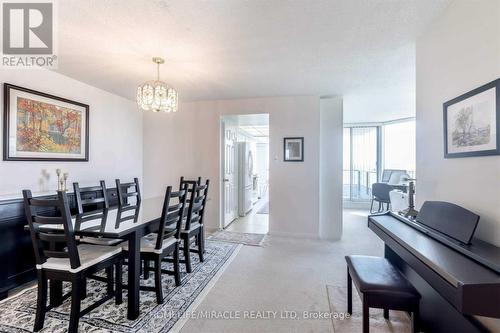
192,227
89,255
148,244
100,240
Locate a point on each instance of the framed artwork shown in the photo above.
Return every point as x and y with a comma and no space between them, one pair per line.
472,123
293,149
42,127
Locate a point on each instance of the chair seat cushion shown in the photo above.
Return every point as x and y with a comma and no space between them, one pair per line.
192,227
375,275
89,255
148,243
100,240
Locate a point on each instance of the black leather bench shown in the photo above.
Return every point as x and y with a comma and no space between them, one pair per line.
380,285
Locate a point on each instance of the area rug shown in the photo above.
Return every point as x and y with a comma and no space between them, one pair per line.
264,209
17,313
337,297
238,237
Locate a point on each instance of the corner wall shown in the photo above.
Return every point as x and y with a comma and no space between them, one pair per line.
459,52
193,148
115,127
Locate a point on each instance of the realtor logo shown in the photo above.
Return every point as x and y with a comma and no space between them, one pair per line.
28,34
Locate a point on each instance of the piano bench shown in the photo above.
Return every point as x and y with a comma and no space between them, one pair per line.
382,286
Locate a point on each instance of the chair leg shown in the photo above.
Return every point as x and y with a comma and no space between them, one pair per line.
158,285
147,268
199,243
366,316
380,207
76,292
371,207
110,283
202,231
349,292
386,313
84,289
187,255
415,321
41,301
119,283
177,273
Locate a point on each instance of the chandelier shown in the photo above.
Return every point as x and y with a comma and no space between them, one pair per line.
156,95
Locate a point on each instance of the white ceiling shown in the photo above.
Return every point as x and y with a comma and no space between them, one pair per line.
222,49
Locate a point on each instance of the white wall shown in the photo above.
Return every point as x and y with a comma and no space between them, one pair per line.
294,187
115,136
459,52
331,137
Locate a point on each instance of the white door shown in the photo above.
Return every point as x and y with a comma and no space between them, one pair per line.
230,180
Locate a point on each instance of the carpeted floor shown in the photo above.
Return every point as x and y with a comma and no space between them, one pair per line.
398,322
264,209
17,313
238,237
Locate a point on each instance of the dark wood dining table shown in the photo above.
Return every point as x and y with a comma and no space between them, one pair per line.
128,223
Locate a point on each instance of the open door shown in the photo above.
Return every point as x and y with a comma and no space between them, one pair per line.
229,176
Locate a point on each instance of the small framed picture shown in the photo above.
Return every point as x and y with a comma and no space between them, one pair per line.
472,123
293,149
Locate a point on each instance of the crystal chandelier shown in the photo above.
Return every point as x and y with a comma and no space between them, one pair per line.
157,95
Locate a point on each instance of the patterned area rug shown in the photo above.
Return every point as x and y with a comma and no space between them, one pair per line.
17,313
337,296
238,237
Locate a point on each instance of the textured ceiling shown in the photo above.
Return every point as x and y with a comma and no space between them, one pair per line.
237,49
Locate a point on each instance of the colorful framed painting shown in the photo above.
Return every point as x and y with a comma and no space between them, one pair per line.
43,127
472,123
293,149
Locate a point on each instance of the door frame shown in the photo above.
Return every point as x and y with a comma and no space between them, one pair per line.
222,134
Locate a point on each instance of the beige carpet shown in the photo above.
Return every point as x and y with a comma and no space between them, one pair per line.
398,322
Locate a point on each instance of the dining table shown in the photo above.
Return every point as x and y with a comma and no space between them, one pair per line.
128,223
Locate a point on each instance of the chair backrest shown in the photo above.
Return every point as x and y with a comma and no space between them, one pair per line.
197,203
132,213
58,242
127,190
83,198
381,191
82,219
387,173
172,214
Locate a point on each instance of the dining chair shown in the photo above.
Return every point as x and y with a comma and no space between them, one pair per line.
94,197
59,258
157,246
128,190
193,225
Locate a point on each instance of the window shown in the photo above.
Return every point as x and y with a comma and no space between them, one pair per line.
399,146
370,149
360,162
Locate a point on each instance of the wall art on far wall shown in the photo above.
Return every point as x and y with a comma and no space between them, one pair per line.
472,123
43,127
293,149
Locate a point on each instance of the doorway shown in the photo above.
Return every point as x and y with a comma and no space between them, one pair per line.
245,173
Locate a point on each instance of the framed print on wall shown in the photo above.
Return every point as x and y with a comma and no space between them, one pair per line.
293,149
43,127
472,123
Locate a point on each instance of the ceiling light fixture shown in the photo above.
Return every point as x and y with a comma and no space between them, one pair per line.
156,95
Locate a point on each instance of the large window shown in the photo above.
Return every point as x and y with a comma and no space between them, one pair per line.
368,150
360,162
399,146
